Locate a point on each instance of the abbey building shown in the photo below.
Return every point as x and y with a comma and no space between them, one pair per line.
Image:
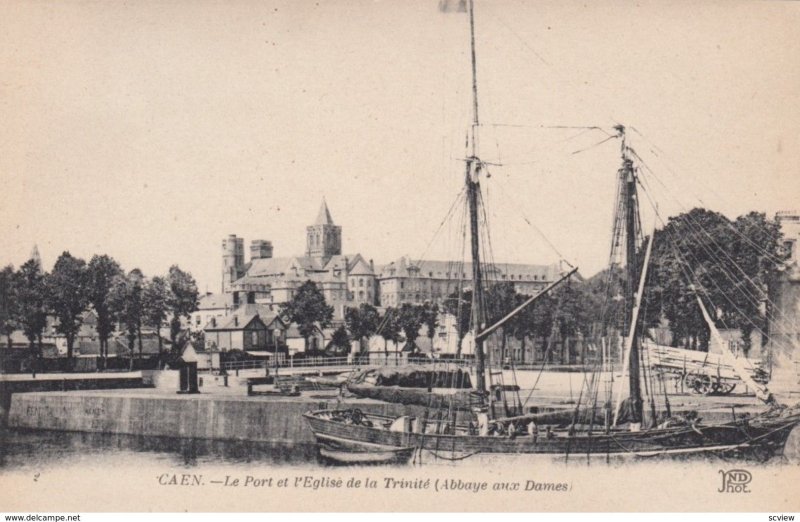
344,279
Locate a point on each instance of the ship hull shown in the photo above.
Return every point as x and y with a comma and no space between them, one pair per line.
761,438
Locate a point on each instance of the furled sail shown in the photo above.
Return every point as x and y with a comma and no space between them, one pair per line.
738,363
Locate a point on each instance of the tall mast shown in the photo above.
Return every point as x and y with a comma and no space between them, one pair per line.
631,210
473,193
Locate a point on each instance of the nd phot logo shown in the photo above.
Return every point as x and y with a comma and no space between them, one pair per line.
735,481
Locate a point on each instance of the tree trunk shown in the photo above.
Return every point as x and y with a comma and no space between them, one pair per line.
32,353
139,336
131,345
174,330
522,350
70,346
503,347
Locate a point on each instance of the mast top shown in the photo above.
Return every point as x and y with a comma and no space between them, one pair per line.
475,120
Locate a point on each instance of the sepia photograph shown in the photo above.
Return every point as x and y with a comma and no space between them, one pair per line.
399,256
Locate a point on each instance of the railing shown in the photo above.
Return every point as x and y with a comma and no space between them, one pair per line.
347,362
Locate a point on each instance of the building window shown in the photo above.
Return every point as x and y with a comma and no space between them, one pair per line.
360,281
402,284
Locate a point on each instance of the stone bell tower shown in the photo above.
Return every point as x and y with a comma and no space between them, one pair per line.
323,238
232,261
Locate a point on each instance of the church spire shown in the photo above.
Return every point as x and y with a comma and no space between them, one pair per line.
323,238
35,256
324,215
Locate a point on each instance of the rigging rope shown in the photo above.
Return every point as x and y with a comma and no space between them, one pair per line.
696,229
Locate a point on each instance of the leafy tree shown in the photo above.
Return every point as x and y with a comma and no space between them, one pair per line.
340,343
430,318
9,304
31,298
571,314
308,309
460,307
389,329
501,299
156,299
125,301
67,297
184,299
410,319
756,251
362,322
605,303
695,252
732,265
102,271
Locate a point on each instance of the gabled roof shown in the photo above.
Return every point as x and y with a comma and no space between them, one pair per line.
119,345
361,267
236,322
264,312
271,266
293,332
17,338
215,301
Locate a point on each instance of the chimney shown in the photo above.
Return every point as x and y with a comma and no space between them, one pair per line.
213,322
235,320
371,265
260,249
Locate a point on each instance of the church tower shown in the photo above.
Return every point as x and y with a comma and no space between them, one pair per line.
323,238
232,261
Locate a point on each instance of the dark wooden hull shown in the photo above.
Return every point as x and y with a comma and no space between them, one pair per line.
761,436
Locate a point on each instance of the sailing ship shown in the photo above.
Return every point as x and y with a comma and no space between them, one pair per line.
592,427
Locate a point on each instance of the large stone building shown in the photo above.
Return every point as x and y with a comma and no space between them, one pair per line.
417,281
345,280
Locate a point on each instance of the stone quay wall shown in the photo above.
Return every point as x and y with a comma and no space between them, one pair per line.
203,417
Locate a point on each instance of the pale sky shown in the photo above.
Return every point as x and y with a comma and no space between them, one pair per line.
151,130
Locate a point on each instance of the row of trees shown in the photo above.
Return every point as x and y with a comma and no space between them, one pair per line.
309,310
405,321
29,295
733,264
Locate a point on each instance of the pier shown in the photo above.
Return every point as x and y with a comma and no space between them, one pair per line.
151,406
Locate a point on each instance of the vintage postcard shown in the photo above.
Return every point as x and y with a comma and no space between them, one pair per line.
384,255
